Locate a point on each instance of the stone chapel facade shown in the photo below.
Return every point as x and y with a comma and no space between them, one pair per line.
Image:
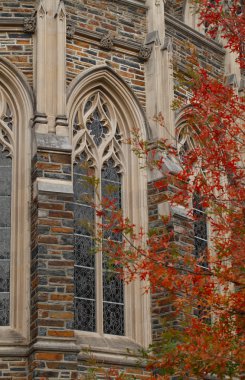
76,77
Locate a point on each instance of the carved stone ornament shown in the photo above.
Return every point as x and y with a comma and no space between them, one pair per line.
168,44
30,24
106,41
144,53
70,29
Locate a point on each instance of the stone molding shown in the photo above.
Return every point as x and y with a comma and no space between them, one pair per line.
134,3
179,25
21,97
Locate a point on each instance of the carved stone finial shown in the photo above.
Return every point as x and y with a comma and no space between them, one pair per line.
30,24
70,29
106,41
144,53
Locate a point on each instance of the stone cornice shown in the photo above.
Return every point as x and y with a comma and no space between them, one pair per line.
134,3
12,24
90,35
179,25
16,24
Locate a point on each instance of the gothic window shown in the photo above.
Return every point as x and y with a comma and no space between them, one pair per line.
98,174
200,228
6,153
187,141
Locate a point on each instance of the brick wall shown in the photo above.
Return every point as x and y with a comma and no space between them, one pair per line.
126,24
52,273
13,368
15,44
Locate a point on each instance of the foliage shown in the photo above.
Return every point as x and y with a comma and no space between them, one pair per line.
203,334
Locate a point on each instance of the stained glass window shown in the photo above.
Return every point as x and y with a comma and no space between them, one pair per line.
5,227
99,292
200,228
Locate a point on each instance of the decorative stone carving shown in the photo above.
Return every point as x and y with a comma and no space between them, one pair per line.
70,29
168,45
30,24
106,41
144,53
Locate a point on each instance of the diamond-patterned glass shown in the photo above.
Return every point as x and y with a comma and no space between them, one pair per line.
85,319
5,229
85,282
4,309
84,251
200,228
84,219
112,287
84,273
113,318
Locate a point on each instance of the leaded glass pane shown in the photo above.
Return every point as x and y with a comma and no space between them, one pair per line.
85,319
200,228
5,243
85,282
97,127
110,172
5,181
84,251
84,219
200,247
4,309
113,287
113,318
5,229
4,276
84,273
5,208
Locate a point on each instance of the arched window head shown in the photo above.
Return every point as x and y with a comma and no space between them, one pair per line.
185,140
98,174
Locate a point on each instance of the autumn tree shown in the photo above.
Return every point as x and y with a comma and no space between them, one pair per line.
206,285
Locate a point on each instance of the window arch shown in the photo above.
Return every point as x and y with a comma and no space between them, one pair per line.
6,153
99,294
187,140
102,112
16,110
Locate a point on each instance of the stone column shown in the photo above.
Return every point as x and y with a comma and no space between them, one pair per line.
159,73
53,347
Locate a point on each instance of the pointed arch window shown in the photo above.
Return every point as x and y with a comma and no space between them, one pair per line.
186,142
6,156
99,172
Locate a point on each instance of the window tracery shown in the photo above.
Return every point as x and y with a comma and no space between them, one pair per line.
98,174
